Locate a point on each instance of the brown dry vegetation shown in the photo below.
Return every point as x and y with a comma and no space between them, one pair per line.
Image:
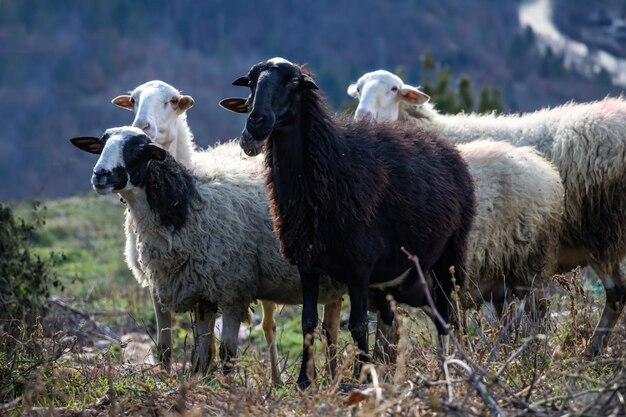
497,369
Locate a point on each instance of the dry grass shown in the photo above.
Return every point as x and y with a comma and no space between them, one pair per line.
494,369
511,368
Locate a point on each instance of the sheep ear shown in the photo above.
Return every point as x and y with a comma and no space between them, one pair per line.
242,81
124,101
413,95
353,91
237,105
89,144
185,103
152,151
308,83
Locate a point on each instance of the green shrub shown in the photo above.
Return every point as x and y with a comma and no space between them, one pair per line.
25,282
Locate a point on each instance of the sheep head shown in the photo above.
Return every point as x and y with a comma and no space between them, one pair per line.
380,95
124,154
275,88
157,106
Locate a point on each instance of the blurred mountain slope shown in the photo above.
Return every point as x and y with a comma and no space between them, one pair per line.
62,62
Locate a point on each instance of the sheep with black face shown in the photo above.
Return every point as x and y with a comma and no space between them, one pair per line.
346,196
200,240
160,111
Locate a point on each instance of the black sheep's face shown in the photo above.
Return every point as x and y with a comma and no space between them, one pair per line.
275,91
250,146
124,155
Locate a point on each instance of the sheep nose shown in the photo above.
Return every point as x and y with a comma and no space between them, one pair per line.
260,124
364,114
143,125
256,118
100,176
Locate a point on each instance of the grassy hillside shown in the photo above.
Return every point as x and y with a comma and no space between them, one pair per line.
88,231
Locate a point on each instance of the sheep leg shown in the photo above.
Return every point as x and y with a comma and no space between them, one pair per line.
269,329
205,336
501,295
385,347
443,304
503,298
358,322
230,341
536,303
310,292
450,264
387,336
615,289
164,332
442,292
383,307
330,328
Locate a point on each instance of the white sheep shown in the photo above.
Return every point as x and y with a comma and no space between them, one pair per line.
514,240
168,127
160,113
201,239
587,144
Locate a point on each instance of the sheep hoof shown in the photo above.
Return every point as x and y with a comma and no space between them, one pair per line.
593,350
346,388
303,383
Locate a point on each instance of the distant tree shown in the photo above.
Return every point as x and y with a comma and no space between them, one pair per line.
428,63
497,105
447,100
483,100
451,102
466,97
490,100
552,65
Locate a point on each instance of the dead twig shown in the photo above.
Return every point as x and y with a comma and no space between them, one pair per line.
479,387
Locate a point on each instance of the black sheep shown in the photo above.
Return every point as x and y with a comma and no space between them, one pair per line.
346,196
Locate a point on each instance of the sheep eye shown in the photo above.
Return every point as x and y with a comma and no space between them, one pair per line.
394,89
295,80
132,101
174,100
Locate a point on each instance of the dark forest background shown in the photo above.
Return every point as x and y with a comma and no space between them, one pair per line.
62,61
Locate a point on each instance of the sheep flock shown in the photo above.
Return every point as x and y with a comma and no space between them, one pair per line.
321,207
